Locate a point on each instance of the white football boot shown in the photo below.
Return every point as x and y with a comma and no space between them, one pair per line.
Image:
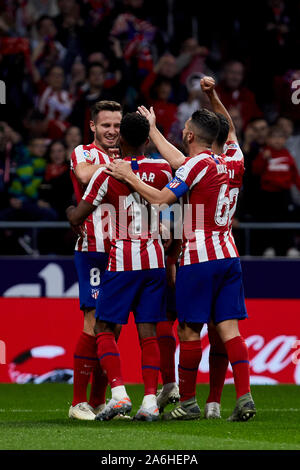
82,411
212,410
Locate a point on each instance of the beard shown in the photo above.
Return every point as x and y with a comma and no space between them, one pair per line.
185,144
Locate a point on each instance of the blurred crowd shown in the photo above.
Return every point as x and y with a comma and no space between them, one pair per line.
58,57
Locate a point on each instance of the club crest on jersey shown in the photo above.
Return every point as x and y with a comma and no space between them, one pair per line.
95,293
174,183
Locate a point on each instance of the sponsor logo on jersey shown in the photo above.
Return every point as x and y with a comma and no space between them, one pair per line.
88,156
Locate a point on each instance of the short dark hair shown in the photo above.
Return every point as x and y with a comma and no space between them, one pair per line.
104,105
275,130
92,65
134,129
206,125
224,129
41,19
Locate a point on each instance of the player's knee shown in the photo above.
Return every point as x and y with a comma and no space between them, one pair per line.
146,330
103,327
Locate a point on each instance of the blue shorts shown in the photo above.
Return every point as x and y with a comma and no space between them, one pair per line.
141,292
212,290
90,266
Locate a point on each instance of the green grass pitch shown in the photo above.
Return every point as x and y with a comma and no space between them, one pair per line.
35,417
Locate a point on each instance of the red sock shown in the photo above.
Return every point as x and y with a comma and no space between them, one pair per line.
109,357
218,365
98,386
150,364
237,351
85,359
167,347
189,360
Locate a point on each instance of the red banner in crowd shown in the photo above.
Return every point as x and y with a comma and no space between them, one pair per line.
38,336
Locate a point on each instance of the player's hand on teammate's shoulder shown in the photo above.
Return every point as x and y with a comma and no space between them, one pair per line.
207,84
149,114
119,169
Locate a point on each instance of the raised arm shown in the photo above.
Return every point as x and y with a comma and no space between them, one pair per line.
208,87
168,151
121,170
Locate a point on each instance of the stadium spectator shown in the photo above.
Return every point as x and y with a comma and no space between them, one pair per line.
72,139
165,68
195,100
115,67
293,146
137,36
24,203
73,32
34,124
56,189
236,117
55,102
233,93
192,59
283,91
77,79
8,140
47,51
255,137
165,111
81,114
278,172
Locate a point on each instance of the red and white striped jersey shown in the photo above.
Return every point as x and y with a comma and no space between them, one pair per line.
134,229
94,238
203,183
234,159
55,104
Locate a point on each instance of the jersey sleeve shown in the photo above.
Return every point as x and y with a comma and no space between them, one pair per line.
189,174
97,188
167,171
82,155
233,152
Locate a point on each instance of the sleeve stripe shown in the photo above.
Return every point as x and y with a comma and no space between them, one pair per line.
89,194
79,155
199,177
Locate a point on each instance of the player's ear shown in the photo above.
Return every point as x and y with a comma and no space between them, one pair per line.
147,141
191,137
92,126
